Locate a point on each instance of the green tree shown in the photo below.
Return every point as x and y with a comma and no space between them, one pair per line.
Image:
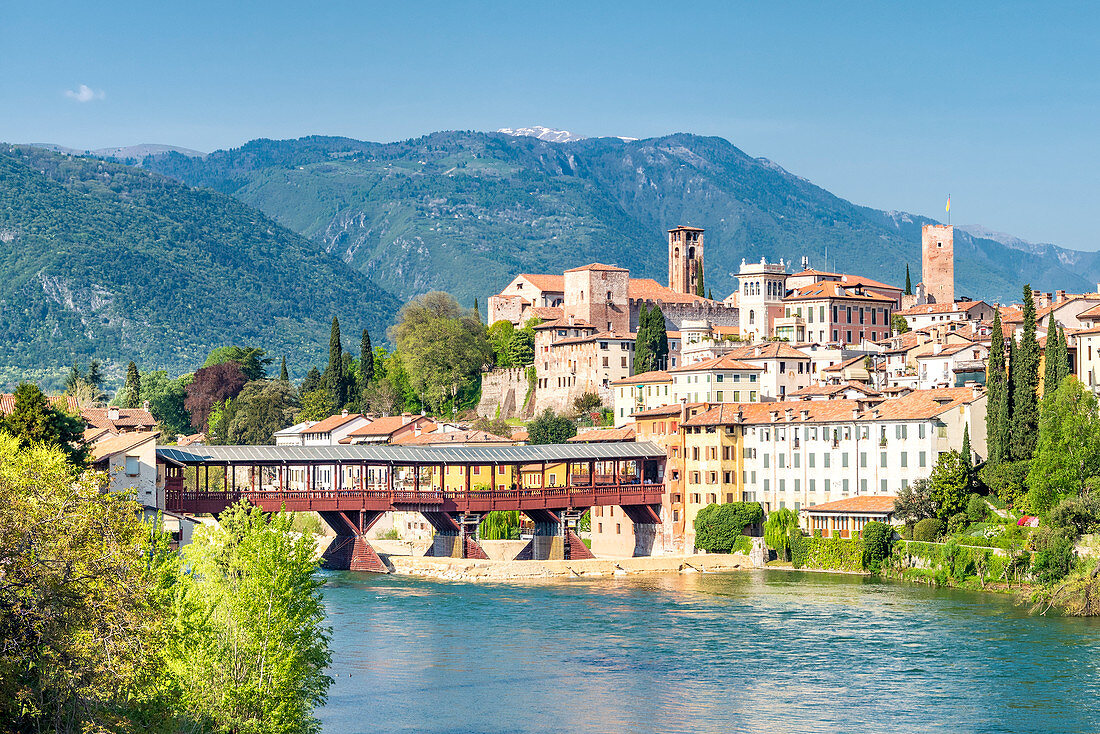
899,324
263,407
550,428
86,386
252,647
442,347
777,531
699,289
500,336
132,390
253,361
908,282
34,421
1068,448
1055,359
877,538
997,392
283,374
81,601
949,484
586,403
334,378
166,399
718,526
522,346
967,453
311,382
915,503
1025,376
317,405
500,526
366,360
643,342
659,338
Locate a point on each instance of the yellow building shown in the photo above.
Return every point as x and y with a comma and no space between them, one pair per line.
714,457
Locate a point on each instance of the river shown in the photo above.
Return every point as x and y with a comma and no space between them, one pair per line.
776,651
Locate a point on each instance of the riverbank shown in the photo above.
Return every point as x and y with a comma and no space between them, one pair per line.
466,569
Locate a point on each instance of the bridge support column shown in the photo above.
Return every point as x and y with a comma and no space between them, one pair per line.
575,549
647,522
548,543
455,535
349,550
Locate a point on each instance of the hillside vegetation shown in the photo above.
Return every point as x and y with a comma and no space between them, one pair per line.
465,211
103,260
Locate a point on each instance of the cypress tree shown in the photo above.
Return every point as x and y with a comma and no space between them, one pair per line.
710,294
132,390
643,342
334,378
366,357
967,454
996,385
1025,382
477,312
283,374
659,336
908,282
1055,360
699,290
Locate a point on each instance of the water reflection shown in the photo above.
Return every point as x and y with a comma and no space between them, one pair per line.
700,653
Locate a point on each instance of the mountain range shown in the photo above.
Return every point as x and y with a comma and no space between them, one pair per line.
102,260
466,211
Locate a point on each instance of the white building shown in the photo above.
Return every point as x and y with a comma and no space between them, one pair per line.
721,380
131,461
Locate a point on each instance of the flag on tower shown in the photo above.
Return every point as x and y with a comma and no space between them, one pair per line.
949,203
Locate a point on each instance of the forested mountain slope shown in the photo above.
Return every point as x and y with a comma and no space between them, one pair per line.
465,211
103,260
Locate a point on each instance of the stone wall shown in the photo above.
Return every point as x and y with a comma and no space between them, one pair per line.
504,390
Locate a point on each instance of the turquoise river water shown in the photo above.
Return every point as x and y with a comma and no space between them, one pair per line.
776,651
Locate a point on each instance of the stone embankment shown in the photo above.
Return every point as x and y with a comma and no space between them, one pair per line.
463,569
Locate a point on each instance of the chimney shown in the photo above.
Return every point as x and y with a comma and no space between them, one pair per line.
1059,296
683,410
145,405
775,416
344,413
855,412
804,414
112,413
788,411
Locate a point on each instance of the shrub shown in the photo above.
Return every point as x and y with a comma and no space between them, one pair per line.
1079,515
798,545
976,508
742,544
928,530
958,522
1007,480
717,527
834,554
777,531
1053,554
877,537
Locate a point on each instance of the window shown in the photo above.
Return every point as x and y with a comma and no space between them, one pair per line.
863,459
904,459
797,460
727,477
863,486
844,487
921,459
844,460
825,460
812,488
811,464
883,486
941,431
132,466
882,459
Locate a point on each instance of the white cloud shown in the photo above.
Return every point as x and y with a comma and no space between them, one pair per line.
84,93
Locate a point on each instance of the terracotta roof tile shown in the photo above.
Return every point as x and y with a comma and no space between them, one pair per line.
599,267
869,503
545,281
832,289
66,403
644,378
127,418
331,423
647,289
930,308
725,362
386,425
117,444
601,435
437,438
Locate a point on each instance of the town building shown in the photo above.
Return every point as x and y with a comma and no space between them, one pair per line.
938,262
829,312
922,316
846,518
130,459
724,379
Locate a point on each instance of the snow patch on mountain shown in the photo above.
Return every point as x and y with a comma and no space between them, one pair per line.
548,134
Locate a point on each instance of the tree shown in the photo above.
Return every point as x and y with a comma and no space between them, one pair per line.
263,407
1068,447
996,382
33,421
717,526
496,426
966,452
253,361
366,360
81,600
252,647
710,294
587,403
500,336
877,538
522,346
643,342
777,531
283,374
1025,376
699,289
311,382
1055,360
166,398
334,378
950,485
442,347
477,312
899,324
131,392
659,337
550,428
381,397
908,282
212,386
317,405
914,502
86,387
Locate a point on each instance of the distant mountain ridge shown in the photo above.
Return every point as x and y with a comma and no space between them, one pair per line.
101,260
548,134
123,153
466,211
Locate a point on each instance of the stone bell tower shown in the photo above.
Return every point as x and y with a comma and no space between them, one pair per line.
685,259
938,262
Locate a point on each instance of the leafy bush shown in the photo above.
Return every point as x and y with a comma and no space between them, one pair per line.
950,479
777,531
1079,515
833,554
957,523
914,502
718,526
1054,554
798,544
877,538
928,530
742,544
976,509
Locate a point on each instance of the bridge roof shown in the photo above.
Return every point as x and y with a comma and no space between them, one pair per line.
389,453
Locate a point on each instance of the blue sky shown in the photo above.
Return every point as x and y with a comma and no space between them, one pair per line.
891,105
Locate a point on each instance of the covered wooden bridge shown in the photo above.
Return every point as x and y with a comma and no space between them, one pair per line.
453,487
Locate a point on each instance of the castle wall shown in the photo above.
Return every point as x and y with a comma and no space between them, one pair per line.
504,389
938,262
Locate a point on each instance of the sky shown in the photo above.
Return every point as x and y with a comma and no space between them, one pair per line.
890,105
